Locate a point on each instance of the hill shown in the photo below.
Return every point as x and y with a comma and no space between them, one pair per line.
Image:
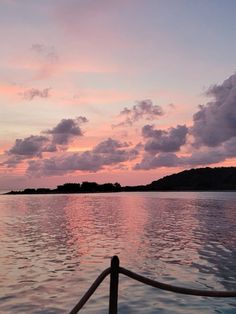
202,179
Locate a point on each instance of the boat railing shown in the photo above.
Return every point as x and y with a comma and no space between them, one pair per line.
114,270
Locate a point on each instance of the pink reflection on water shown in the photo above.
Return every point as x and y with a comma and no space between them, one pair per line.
54,246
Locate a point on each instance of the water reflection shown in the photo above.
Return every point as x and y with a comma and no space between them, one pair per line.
217,225
169,234
54,246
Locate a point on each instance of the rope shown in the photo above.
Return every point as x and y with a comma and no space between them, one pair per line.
156,284
164,286
90,291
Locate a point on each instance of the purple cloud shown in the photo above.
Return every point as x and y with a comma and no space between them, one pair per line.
108,146
143,110
164,141
197,158
230,147
207,157
215,122
31,146
167,160
66,130
35,145
13,161
106,153
213,131
162,160
32,93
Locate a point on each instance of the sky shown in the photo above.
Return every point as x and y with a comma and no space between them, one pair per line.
121,91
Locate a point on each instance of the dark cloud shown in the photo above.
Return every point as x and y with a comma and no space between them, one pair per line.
66,130
31,146
215,122
52,141
162,160
13,161
230,147
213,131
108,146
106,153
164,141
144,109
148,131
200,158
113,152
197,158
32,93
65,164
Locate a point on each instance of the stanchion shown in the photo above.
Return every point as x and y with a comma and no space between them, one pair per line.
114,281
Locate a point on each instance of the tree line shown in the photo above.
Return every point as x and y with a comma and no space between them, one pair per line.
201,179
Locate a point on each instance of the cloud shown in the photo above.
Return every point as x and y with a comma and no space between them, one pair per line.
108,146
230,147
31,146
32,93
106,153
13,161
51,141
213,131
60,165
162,160
215,122
164,141
142,110
66,130
198,158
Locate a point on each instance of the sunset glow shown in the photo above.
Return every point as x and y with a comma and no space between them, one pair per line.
119,91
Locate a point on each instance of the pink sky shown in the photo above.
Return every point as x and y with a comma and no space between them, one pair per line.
110,90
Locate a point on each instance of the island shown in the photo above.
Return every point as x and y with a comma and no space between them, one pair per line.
200,179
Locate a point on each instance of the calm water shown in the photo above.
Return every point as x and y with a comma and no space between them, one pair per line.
54,246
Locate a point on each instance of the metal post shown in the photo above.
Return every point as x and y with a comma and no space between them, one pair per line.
114,280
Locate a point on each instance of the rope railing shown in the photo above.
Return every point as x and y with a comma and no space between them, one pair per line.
114,271
90,291
176,289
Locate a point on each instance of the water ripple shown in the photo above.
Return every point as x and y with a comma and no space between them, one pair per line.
54,246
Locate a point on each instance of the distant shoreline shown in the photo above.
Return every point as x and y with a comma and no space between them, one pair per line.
150,191
221,179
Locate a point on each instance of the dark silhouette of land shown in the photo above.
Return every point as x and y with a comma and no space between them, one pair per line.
201,179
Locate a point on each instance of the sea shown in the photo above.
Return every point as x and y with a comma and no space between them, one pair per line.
54,246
